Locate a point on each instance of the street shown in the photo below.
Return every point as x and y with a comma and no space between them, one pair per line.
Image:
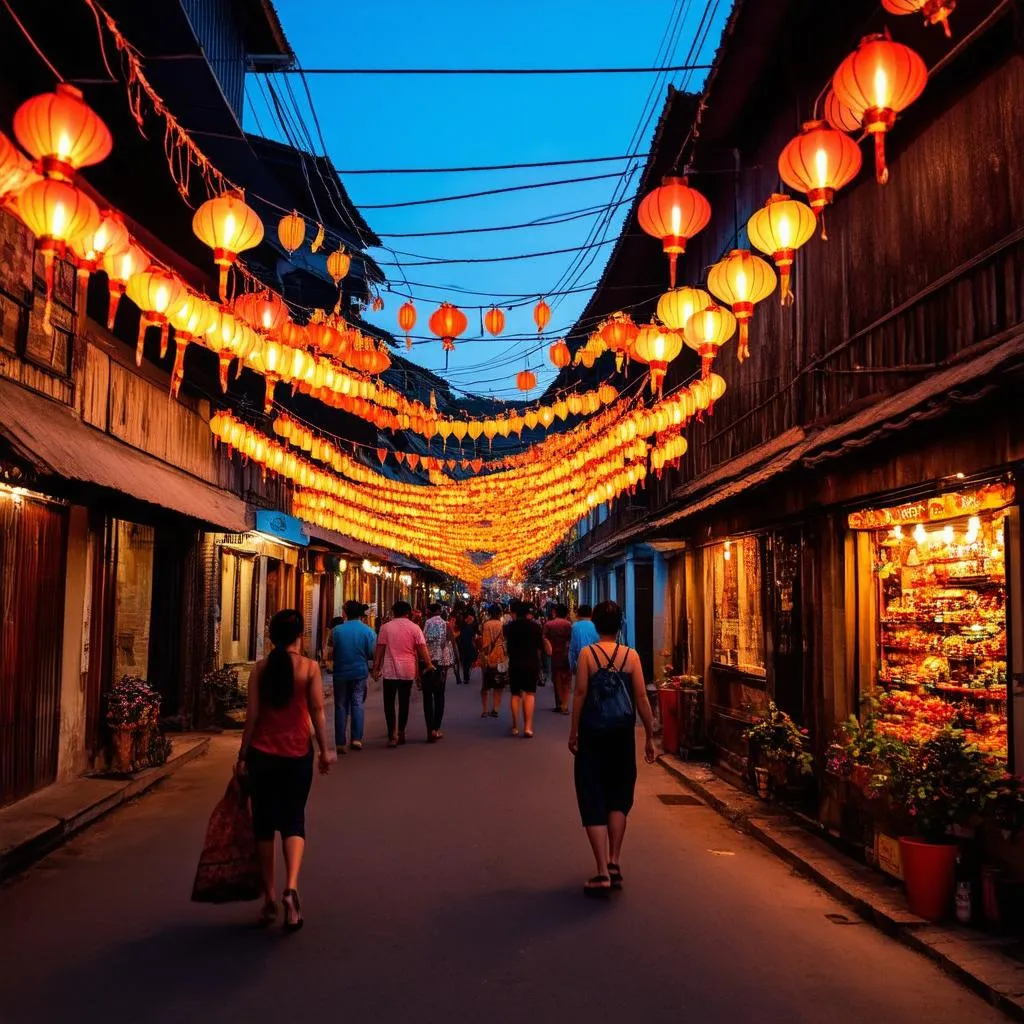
442,883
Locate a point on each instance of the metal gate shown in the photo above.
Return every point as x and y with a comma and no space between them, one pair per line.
33,548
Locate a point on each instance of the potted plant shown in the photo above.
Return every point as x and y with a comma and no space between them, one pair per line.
224,699
778,747
133,708
941,784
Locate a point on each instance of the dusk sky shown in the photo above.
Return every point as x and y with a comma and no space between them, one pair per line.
402,121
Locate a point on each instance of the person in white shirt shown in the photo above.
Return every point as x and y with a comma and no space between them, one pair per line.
401,649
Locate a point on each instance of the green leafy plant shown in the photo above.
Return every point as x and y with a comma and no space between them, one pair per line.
780,741
942,783
859,743
222,689
132,703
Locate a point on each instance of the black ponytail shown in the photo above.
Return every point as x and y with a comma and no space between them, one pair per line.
277,681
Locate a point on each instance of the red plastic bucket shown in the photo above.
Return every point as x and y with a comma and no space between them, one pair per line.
929,872
670,707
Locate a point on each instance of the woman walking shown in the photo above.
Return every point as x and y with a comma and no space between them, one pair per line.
285,694
467,644
433,684
493,663
610,692
524,642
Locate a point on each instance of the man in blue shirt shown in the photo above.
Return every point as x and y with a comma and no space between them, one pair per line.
353,645
584,633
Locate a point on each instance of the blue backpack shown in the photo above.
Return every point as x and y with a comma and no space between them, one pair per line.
609,701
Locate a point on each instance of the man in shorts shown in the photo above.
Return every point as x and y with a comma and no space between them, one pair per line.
524,642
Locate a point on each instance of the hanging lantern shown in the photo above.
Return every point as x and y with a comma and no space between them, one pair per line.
779,228
92,248
56,213
407,320
224,336
494,321
877,81
559,354
707,331
377,305
935,12
541,315
62,132
155,292
675,307
318,239
448,322
741,280
228,226
607,394
819,161
716,387
264,310
657,346
839,115
618,334
190,317
119,268
15,171
338,264
673,212
291,231
526,380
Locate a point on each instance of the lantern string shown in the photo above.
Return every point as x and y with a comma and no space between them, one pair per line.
28,36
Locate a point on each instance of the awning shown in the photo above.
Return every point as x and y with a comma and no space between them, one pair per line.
50,437
358,547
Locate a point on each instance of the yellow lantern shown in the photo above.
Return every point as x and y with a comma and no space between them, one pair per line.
62,132
657,346
741,280
291,231
156,293
338,264
676,306
547,415
228,226
779,228
526,380
707,331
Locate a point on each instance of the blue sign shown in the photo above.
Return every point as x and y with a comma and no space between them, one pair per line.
277,524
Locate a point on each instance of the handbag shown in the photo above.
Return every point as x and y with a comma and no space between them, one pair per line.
609,702
229,870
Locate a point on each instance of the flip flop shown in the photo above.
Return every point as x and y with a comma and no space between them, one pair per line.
594,887
527,735
615,874
515,731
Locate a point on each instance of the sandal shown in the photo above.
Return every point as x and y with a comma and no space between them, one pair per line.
290,899
268,915
515,730
494,714
599,885
527,735
615,874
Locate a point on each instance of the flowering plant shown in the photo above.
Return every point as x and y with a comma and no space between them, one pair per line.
132,702
222,686
778,739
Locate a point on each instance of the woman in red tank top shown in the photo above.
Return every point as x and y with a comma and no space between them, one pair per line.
286,706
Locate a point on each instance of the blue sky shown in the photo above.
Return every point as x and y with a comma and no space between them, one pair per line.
440,121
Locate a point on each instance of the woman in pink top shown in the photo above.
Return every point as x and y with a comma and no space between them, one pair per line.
401,648
286,705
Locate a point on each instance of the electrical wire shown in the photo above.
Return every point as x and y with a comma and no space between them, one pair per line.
486,71
490,167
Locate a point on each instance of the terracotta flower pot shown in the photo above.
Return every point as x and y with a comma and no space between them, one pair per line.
124,750
929,871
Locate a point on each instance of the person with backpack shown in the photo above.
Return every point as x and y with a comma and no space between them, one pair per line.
610,693
494,662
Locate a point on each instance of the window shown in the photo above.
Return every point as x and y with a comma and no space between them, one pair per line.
738,623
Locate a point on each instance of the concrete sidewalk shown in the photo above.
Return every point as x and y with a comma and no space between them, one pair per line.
981,961
31,828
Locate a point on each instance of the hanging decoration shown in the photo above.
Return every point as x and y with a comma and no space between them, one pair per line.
90,249
560,355
657,346
119,268
318,242
155,292
673,212
407,320
265,310
618,333
707,331
377,305
934,12
526,380
877,81
291,231
676,306
541,315
448,322
778,229
228,226
741,280
15,170
839,115
494,321
338,264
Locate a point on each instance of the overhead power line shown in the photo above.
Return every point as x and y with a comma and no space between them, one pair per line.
489,71
490,167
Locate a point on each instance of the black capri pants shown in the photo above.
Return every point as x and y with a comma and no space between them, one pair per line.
278,788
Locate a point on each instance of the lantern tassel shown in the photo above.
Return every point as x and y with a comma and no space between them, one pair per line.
672,257
743,351
408,342
224,360
115,301
140,344
881,170
705,366
178,372
785,291
163,340
222,285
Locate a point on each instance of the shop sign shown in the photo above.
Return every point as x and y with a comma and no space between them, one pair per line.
887,855
285,527
938,507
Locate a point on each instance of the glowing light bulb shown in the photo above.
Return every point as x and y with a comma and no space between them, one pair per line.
920,533
947,534
897,531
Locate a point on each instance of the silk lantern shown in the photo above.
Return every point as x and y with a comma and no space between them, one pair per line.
156,292
541,315
559,354
673,212
228,226
657,346
818,162
407,320
676,306
338,264
448,322
62,132
291,231
935,12
707,331
778,229
494,321
526,380
741,280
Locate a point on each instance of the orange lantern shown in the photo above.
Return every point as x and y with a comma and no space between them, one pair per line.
819,161
190,317
657,346
264,310
559,354
779,228
839,115
935,12
448,322
90,250
673,212
618,334
407,320
119,268
228,226
377,305
291,231
541,315
62,132
741,280
607,394
878,80
156,293
707,331
15,171
56,213
494,321
338,264
676,306
292,334
526,380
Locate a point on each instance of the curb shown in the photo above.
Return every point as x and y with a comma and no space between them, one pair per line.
973,959
47,839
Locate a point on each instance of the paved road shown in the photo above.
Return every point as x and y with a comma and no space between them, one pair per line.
442,885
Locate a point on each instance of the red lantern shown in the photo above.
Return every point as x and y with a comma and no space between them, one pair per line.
935,12
264,310
526,380
91,249
407,320
673,212
618,333
541,315
819,161
62,132
839,115
494,321
15,171
878,80
559,354
448,322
